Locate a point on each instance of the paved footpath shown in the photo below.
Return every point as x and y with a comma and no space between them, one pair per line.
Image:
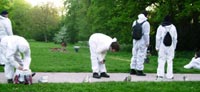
54,77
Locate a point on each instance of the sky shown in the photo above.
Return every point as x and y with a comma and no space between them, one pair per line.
57,3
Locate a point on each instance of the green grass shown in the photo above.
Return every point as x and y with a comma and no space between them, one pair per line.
105,87
44,60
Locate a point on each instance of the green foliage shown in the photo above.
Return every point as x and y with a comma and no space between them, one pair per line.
112,17
39,22
5,5
115,17
61,36
45,22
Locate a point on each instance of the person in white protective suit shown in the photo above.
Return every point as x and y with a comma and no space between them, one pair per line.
99,45
11,47
195,62
5,28
140,46
165,53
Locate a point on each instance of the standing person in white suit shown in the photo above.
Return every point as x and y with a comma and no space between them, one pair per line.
5,28
99,45
140,46
166,48
11,47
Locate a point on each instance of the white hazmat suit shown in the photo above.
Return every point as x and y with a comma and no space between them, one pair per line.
139,49
194,63
6,26
11,47
165,53
5,30
99,45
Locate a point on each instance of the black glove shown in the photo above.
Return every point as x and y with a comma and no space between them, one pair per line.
104,61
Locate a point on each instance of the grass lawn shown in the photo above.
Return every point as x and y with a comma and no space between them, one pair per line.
105,87
46,60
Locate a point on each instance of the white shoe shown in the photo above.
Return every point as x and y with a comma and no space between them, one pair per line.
187,66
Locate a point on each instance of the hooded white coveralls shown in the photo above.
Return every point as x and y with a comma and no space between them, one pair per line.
165,53
6,23
5,30
194,63
12,46
99,45
140,46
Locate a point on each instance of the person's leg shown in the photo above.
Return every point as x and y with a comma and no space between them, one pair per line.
18,58
9,72
170,56
103,71
133,60
161,64
94,60
140,63
191,64
169,74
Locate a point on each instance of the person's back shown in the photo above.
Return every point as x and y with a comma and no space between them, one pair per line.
140,46
166,49
15,42
102,41
7,23
2,27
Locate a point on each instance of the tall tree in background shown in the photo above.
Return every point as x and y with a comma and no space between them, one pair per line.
5,4
20,18
115,17
44,22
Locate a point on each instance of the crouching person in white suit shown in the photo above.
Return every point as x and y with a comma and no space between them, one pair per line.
195,62
99,45
11,47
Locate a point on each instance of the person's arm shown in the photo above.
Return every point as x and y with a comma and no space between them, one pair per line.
8,27
158,38
146,33
101,57
27,60
10,58
101,53
175,37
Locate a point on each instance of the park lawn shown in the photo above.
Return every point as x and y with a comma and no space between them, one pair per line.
46,60
105,87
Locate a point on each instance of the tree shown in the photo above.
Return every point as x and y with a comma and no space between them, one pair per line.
20,18
61,36
44,20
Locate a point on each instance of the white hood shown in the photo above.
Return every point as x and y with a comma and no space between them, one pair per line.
141,18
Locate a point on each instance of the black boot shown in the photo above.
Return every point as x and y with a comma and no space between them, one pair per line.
96,75
2,65
140,73
10,81
103,74
132,72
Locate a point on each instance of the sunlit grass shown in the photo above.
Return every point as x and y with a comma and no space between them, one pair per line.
46,60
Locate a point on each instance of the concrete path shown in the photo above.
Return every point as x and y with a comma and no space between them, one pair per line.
52,77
